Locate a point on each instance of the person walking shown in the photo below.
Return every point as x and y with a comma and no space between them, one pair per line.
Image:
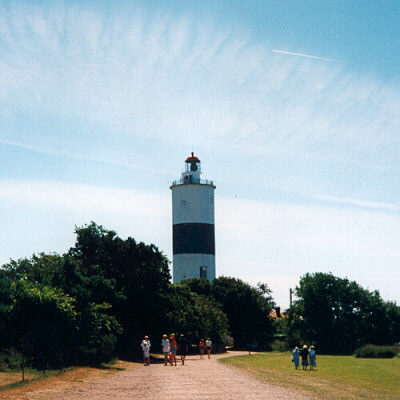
173,346
313,357
296,357
148,345
165,348
304,357
182,347
209,347
146,353
202,346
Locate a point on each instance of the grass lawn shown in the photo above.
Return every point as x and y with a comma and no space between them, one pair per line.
336,377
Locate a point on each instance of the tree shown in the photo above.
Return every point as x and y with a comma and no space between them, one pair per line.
98,333
246,307
45,269
119,287
195,315
5,304
339,316
42,324
132,277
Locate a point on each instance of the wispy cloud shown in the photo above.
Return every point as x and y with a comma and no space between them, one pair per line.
65,154
360,203
291,53
179,79
80,198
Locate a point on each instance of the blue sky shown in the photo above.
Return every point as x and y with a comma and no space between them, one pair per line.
292,107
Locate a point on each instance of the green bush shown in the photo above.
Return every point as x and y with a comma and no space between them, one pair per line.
42,323
280,345
373,351
10,359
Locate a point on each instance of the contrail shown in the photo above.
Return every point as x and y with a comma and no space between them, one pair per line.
290,53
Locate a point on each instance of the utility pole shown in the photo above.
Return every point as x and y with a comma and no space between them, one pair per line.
290,333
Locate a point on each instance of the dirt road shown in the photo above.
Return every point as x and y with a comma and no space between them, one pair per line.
196,380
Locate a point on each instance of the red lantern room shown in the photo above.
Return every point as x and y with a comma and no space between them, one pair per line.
192,170
192,163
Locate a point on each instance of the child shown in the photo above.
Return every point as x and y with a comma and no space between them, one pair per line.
172,343
146,339
202,346
146,352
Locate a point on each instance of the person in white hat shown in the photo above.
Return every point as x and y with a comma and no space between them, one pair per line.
148,346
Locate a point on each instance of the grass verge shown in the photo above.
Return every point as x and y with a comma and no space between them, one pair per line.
337,377
30,376
61,378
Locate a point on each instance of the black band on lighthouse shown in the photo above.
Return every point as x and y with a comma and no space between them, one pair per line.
193,238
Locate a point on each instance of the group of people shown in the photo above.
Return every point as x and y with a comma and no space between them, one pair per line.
307,355
171,347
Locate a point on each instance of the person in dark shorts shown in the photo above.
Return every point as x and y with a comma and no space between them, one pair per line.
209,347
183,347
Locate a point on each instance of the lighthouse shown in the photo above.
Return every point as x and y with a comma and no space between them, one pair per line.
193,224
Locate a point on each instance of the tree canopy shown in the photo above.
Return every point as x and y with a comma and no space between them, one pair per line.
339,315
104,294
117,290
246,307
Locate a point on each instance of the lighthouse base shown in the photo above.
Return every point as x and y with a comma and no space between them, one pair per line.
187,266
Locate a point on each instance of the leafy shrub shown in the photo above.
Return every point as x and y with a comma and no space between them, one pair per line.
280,345
42,323
10,359
196,315
373,351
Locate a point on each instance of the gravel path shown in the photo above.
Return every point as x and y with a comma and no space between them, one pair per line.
197,379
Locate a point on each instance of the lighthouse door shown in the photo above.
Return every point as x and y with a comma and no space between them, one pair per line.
203,272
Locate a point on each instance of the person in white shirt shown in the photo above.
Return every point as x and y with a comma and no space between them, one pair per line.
146,352
148,345
209,347
165,348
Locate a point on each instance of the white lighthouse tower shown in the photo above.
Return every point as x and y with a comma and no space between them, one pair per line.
193,224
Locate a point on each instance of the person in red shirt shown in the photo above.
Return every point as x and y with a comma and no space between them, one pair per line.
202,346
173,345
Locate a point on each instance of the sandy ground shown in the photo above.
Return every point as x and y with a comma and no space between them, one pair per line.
197,379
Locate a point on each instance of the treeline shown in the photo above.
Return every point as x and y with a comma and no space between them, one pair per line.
338,316
98,300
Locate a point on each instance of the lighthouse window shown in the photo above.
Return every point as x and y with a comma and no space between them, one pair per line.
203,272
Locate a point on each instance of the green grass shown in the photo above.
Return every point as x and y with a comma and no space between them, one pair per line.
15,379
336,377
